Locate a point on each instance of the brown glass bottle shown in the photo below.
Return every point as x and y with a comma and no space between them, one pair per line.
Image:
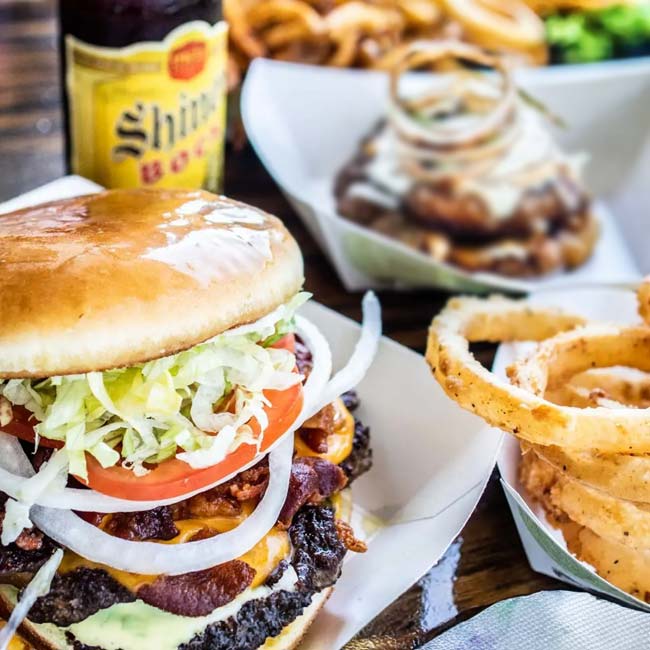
144,91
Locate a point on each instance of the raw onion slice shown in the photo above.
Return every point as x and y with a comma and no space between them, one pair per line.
39,586
266,321
364,352
95,545
321,365
15,466
440,135
13,459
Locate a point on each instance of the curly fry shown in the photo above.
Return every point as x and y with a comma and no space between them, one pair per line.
275,11
240,31
283,34
346,49
375,33
420,14
350,22
363,18
498,23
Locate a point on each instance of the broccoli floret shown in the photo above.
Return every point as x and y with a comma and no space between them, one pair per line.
630,23
616,31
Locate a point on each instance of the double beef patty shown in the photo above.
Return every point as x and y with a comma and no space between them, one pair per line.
317,557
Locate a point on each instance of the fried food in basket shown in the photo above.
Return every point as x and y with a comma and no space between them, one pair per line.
626,568
374,33
467,171
579,402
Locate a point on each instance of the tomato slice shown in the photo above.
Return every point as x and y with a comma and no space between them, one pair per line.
22,428
287,342
174,477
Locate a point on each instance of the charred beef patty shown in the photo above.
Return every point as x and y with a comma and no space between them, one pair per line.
78,594
71,598
17,565
360,460
318,556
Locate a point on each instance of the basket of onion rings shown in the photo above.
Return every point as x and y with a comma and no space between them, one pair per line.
576,399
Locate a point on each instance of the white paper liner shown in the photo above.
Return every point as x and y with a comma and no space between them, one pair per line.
431,463
306,122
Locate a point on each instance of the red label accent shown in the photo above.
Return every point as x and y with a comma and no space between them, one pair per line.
187,61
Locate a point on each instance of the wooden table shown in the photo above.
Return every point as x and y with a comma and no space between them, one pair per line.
487,563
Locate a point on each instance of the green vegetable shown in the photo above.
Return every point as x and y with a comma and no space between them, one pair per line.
626,23
613,32
565,31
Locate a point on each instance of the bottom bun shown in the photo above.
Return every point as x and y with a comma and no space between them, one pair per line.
292,635
288,639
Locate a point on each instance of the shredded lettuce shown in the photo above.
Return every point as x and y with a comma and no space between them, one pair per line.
194,405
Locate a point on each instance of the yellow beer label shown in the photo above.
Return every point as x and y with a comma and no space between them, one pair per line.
151,114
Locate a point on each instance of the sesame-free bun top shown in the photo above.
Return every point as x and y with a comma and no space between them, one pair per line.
124,276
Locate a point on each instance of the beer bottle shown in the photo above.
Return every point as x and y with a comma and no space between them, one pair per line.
144,91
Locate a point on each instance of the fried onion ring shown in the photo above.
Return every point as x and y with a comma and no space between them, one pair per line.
643,296
520,409
508,407
610,387
615,430
621,475
580,404
618,520
625,567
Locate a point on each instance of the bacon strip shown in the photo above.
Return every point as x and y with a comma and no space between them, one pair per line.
317,428
312,481
201,592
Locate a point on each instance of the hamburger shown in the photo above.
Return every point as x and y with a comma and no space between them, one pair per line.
174,456
469,173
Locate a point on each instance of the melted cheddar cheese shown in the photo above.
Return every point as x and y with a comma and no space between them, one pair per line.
16,642
339,443
274,547
263,557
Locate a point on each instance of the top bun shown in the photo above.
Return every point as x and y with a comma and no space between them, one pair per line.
121,277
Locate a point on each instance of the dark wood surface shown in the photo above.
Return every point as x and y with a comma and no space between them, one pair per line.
487,564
